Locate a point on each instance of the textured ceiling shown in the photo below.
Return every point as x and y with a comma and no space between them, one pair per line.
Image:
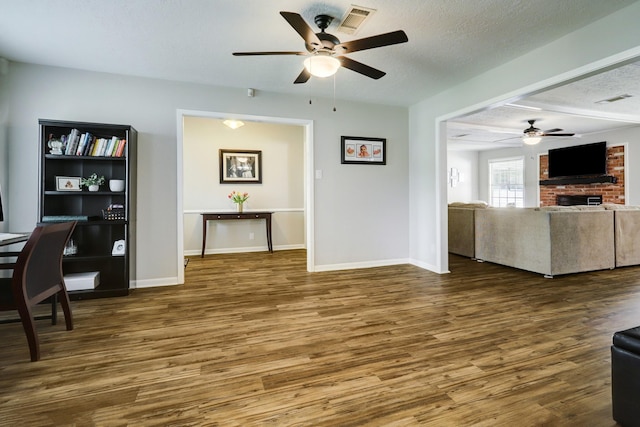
573,107
192,41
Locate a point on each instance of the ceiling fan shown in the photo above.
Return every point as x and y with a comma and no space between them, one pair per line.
532,135
325,51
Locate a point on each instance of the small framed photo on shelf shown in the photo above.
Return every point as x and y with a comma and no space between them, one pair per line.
68,183
362,150
240,166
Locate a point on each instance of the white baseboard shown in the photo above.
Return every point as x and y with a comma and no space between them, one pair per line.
426,266
194,252
152,283
173,281
364,264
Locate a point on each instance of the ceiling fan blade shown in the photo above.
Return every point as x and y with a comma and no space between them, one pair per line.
380,40
553,130
361,68
558,134
302,28
267,53
303,77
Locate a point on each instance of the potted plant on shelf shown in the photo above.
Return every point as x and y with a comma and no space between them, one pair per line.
93,183
238,199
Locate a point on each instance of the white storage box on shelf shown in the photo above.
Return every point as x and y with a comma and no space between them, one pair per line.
82,281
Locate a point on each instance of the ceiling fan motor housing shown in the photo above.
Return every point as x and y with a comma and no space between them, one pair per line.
329,41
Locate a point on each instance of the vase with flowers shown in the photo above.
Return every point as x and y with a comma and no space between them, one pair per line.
238,199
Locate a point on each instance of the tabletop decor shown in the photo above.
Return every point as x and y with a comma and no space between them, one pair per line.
93,182
238,199
68,183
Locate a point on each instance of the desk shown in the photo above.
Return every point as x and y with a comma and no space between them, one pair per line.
11,238
222,216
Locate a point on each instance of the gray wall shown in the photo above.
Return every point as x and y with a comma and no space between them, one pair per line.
360,210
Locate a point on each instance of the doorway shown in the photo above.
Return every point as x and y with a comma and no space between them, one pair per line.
307,185
592,69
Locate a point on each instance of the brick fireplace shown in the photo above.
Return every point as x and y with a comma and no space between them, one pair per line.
610,192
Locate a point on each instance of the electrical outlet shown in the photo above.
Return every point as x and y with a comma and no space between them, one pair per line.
251,236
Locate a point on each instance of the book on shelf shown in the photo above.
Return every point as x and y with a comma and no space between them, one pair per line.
120,149
82,145
89,146
63,218
79,143
72,142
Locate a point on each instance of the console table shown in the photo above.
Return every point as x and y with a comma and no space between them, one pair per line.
222,216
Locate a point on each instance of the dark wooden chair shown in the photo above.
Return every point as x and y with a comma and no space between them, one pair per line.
37,276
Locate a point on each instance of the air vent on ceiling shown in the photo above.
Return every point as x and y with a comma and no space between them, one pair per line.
614,99
354,18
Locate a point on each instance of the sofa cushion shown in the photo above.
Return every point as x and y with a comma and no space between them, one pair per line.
627,236
616,207
571,208
470,205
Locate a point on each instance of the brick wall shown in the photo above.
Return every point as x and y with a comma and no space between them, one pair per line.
611,193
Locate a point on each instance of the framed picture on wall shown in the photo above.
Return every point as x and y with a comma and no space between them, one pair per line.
363,150
240,166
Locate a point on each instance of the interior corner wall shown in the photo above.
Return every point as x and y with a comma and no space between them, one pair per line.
281,190
602,43
360,213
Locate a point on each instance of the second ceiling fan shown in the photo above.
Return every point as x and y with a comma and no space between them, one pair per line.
325,53
532,135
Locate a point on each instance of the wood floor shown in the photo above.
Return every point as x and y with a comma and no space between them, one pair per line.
254,340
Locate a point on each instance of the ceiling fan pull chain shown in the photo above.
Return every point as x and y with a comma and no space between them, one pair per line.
334,92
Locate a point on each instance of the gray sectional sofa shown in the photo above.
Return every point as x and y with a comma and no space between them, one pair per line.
549,240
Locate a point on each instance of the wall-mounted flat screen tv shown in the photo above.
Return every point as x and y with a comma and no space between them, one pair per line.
579,160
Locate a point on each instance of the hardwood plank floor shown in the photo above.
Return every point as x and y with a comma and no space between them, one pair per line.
255,340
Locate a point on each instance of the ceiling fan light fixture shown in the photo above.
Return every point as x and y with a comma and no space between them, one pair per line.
233,124
321,65
531,140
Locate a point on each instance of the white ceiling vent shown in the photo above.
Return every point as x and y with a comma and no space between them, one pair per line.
354,18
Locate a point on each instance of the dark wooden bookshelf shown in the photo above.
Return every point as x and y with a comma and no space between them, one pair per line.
94,236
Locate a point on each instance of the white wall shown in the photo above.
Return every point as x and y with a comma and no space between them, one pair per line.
281,190
360,213
466,162
600,44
